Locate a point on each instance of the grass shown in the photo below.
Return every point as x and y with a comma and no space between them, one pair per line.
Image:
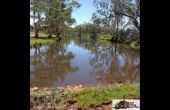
91,96
42,41
99,95
40,34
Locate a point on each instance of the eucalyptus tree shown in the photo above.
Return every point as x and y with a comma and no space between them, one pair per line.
92,28
85,28
112,14
53,15
36,12
132,11
129,9
103,15
58,15
79,30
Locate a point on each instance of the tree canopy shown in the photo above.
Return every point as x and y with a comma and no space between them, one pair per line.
52,14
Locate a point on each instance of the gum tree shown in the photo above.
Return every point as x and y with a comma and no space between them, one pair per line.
52,15
113,12
58,15
36,12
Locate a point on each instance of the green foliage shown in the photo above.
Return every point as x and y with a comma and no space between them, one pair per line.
110,14
127,41
52,14
120,40
87,36
69,95
104,37
135,44
131,37
93,29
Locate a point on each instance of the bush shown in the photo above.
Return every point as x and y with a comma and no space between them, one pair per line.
135,44
127,41
138,41
131,37
120,40
104,37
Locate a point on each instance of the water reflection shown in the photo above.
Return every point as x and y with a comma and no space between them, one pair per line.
112,62
82,61
116,64
51,64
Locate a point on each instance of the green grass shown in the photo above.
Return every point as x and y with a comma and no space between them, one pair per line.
42,41
99,95
91,96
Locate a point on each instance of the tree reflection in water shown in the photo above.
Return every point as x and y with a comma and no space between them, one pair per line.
50,65
108,63
116,64
112,62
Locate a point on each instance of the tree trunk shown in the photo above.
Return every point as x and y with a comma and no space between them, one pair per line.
50,33
35,26
58,34
36,33
135,22
116,38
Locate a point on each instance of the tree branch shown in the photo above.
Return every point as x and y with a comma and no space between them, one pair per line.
126,7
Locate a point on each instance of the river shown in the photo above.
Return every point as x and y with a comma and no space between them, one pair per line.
83,62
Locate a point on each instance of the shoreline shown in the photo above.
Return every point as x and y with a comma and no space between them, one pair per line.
76,87
45,40
42,41
79,97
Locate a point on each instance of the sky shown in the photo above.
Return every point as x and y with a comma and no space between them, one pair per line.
82,14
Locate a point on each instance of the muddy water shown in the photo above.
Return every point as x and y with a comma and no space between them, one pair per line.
82,61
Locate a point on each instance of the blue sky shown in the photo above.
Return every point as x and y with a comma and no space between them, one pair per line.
84,13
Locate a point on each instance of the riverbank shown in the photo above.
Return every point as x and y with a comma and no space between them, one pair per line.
79,97
107,40
101,38
42,41
40,34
